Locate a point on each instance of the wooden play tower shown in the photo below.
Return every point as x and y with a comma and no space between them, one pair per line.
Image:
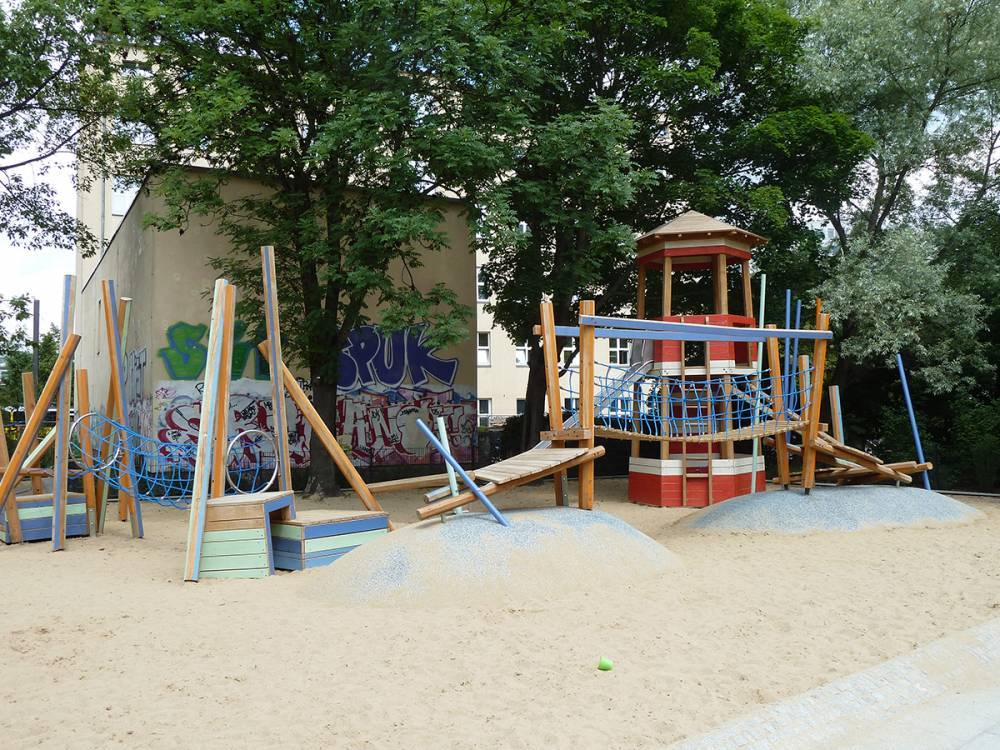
696,473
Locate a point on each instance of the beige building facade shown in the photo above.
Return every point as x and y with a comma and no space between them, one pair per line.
388,381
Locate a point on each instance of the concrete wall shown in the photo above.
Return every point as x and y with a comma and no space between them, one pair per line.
388,381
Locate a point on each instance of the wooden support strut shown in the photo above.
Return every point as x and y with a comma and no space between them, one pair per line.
550,356
89,485
585,474
11,475
219,457
102,487
326,437
60,475
275,357
816,402
778,408
28,391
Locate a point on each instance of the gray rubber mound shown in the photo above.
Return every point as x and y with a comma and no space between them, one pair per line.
471,559
849,508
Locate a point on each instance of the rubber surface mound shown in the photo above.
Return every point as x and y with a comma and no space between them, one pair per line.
849,508
471,559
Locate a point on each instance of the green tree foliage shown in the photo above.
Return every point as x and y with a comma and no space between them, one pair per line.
348,116
49,66
638,111
19,359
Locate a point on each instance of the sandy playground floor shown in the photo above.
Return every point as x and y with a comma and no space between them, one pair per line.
102,644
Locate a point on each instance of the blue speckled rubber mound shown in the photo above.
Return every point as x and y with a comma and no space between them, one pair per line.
471,559
849,508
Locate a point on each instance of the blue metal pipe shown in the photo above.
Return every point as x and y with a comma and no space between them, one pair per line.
461,472
913,417
785,373
795,358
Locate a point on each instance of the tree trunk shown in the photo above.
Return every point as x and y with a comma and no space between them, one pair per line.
322,471
534,399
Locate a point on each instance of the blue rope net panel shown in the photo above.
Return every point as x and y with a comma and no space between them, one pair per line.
700,409
164,472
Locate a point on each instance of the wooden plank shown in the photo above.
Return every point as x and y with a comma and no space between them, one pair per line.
222,396
275,362
327,438
550,356
342,540
747,292
720,285
234,535
778,407
206,435
665,447
570,433
235,562
10,476
412,483
836,417
28,393
666,287
122,318
235,547
234,513
83,407
711,414
116,353
254,573
60,476
450,503
244,523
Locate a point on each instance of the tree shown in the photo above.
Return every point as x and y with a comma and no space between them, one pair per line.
19,359
49,65
638,111
349,116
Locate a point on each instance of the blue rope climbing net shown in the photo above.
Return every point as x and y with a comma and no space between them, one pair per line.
163,472
671,406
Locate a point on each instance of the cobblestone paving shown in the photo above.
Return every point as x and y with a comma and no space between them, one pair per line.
942,696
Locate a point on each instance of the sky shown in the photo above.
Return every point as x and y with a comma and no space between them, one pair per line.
39,274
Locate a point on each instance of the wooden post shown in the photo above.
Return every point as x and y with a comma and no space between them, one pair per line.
586,470
711,413
12,474
326,437
836,416
275,360
815,404
778,407
89,486
60,473
116,353
720,284
668,272
206,435
665,447
747,293
550,354
222,397
102,488
28,390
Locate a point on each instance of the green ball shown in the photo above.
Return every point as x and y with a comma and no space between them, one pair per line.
605,664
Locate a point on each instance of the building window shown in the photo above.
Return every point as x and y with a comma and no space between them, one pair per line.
521,406
485,409
122,195
483,349
521,355
481,295
618,352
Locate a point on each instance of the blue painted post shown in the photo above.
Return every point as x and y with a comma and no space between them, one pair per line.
786,375
794,405
461,472
61,465
913,417
452,481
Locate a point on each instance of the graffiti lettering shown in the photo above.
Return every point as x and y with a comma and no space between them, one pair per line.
185,356
371,358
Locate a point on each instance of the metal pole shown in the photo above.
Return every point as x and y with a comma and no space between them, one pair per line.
756,404
461,472
452,482
35,335
913,417
785,372
794,406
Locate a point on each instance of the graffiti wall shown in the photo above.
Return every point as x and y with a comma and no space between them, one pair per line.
386,383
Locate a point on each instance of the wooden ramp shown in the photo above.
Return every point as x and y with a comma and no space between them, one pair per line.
534,464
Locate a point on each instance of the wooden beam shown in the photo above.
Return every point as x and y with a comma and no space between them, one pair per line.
60,467
201,483
550,355
836,417
585,474
815,404
640,312
89,486
11,475
275,359
720,284
122,318
326,437
116,353
450,503
413,483
747,292
567,433
778,407
28,391
219,456
668,273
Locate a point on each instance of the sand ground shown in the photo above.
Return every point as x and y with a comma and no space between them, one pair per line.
103,645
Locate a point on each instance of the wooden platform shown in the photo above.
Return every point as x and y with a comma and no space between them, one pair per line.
35,514
237,539
513,472
320,537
